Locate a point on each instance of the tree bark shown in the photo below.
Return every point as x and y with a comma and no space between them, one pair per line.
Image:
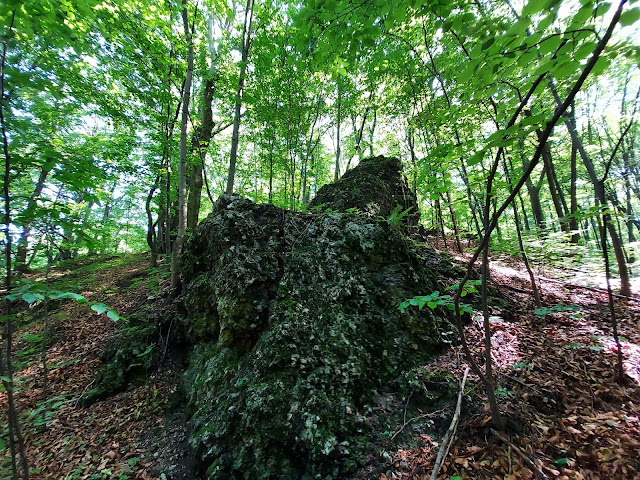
202,137
336,175
182,169
235,136
151,229
16,440
23,242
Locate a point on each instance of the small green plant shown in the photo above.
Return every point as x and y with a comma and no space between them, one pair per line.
433,301
542,311
521,365
502,392
42,415
469,287
397,216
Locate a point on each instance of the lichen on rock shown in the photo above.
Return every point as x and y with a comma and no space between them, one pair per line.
295,323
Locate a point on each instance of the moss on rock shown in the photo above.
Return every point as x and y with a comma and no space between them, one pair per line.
128,355
296,325
376,187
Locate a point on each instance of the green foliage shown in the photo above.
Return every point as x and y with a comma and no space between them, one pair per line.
397,216
35,292
542,311
436,299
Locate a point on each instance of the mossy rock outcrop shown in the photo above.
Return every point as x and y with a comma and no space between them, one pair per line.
295,325
130,354
376,188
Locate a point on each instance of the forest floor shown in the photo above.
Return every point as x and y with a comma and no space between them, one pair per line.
567,417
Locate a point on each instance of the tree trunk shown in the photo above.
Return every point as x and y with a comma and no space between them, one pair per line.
151,229
194,197
372,131
235,136
182,169
23,241
598,186
201,138
553,190
16,441
336,175
534,199
573,221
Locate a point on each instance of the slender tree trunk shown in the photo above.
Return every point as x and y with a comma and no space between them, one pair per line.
336,175
454,222
151,229
619,375
16,441
182,169
598,185
573,220
235,136
372,131
553,190
23,242
523,253
534,199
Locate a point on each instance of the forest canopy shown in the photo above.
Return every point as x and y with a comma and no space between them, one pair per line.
122,122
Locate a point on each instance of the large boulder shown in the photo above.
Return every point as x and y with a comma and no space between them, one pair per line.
375,187
295,324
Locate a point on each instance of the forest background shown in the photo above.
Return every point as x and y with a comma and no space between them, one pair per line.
123,121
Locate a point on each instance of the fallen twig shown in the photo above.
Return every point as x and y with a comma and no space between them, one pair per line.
450,435
519,452
417,417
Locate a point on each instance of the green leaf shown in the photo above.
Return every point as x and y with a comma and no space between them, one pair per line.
602,9
584,50
630,17
565,69
534,6
488,43
57,295
432,305
550,45
6,379
146,352
476,159
32,298
113,315
30,337
99,308
563,462
584,14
